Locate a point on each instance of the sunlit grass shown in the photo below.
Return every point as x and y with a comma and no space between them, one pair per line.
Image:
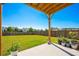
24,41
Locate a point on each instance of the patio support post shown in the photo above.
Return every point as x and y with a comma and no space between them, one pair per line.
49,29
0,29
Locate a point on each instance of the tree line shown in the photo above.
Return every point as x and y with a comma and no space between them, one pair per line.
31,31
23,31
16,29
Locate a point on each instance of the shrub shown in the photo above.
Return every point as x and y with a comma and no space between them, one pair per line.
13,48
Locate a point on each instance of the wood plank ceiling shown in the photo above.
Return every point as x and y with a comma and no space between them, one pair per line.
49,8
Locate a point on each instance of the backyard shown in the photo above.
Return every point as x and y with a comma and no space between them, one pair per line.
24,41
21,31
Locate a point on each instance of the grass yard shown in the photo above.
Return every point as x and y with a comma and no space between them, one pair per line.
24,41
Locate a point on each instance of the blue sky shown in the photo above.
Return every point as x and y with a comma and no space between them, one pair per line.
21,15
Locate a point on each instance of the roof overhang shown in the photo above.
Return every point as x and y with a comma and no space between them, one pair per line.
49,8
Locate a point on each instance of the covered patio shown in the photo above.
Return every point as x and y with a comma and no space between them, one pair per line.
49,9
47,49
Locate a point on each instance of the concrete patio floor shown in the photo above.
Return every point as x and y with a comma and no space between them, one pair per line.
47,50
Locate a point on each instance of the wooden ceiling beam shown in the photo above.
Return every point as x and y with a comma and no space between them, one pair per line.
48,8
40,6
58,8
34,4
37,7
52,6
47,5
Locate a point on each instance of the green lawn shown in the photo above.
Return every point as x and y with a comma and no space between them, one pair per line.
24,41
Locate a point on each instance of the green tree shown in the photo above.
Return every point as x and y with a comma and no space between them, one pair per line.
16,29
30,30
10,29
